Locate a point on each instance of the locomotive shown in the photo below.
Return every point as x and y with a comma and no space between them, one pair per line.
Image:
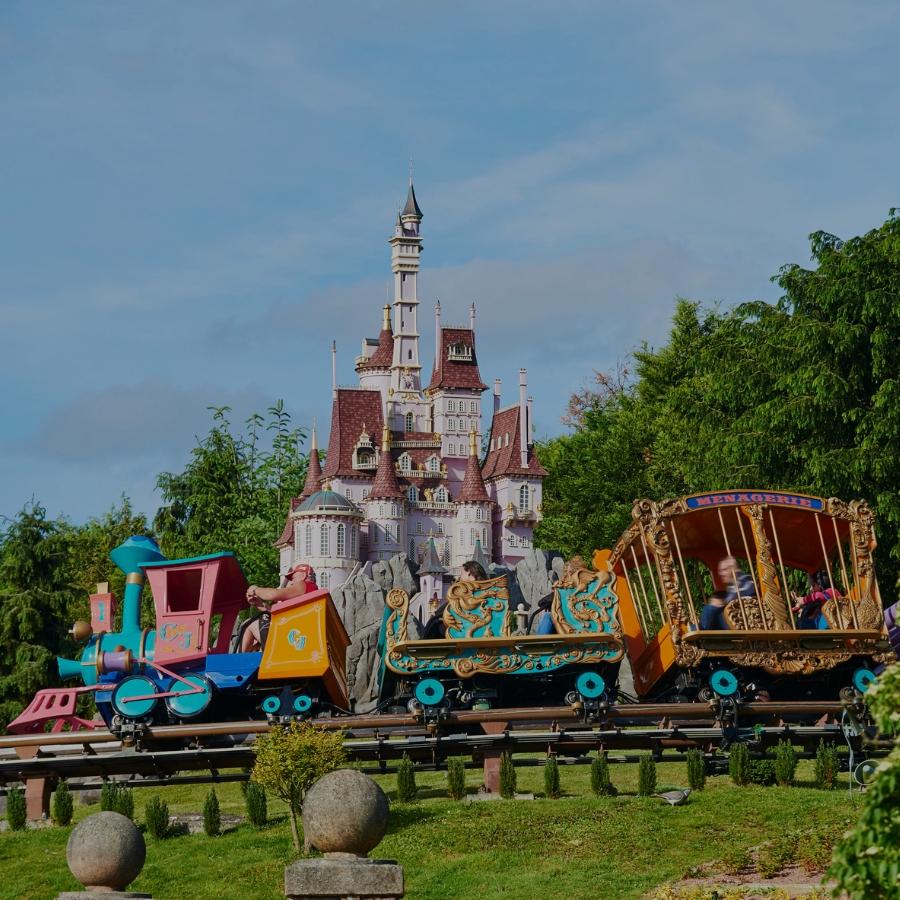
641,599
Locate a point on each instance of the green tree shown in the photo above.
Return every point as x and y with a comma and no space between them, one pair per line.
646,776
62,807
406,780
212,815
507,777
290,760
456,778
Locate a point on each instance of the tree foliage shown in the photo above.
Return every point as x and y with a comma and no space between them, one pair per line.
803,394
290,760
234,491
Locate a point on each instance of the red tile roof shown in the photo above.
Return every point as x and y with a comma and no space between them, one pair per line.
287,535
313,474
472,490
505,459
383,355
452,373
352,411
385,486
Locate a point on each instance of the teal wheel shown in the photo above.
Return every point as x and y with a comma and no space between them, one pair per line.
863,678
590,685
271,705
429,692
302,703
189,706
723,683
134,697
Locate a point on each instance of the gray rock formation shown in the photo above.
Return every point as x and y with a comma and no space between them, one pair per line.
533,574
397,572
515,594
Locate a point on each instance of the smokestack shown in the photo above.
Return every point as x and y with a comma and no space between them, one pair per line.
334,370
523,415
530,419
437,335
472,318
497,384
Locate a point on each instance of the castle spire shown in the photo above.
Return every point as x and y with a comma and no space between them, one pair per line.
385,486
473,489
313,469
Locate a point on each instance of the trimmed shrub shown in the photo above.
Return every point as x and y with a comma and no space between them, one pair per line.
507,777
696,769
646,776
762,771
551,778
16,809
600,781
406,780
63,807
827,766
739,764
212,816
125,802
785,763
156,817
456,778
109,795
257,804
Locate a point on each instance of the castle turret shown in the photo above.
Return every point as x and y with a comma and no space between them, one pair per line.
373,366
473,517
385,508
313,470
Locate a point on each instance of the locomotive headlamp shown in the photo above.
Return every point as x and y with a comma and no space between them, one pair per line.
81,630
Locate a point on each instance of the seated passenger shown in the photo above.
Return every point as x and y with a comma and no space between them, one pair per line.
435,628
809,607
543,621
299,580
740,584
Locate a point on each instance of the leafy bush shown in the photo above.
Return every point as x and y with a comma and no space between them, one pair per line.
290,760
646,776
212,815
109,795
507,777
762,771
156,817
785,763
406,780
696,769
827,766
257,804
739,764
456,778
601,784
551,778
125,802
63,807
16,809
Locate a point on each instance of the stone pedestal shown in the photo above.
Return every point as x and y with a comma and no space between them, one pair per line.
318,879
103,895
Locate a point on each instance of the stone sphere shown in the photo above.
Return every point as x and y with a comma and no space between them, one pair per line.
345,814
106,851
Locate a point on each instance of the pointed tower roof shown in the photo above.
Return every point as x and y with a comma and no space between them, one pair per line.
472,489
479,556
412,207
385,486
384,352
314,469
431,564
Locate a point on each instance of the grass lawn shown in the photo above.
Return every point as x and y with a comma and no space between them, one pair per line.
576,846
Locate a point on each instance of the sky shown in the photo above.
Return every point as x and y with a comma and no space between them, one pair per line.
195,198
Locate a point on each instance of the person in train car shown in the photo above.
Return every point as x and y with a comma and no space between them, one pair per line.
435,628
740,584
299,580
809,607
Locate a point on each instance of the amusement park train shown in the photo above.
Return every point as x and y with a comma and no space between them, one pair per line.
659,597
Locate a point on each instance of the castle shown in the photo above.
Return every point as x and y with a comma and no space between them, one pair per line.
403,472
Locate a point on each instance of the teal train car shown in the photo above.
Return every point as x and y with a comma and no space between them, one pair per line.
491,656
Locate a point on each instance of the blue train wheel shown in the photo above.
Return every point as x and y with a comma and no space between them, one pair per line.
429,692
863,678
134,697
723,683
189,706
271,704
302,703
590,685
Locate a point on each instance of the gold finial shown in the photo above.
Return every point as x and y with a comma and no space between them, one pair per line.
387,317
473,444
385,438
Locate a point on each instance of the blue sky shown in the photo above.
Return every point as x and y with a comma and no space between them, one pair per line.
196,197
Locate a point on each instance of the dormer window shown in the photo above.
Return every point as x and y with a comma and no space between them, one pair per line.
459,352
412,494
440,496
405,462
364,456
433,464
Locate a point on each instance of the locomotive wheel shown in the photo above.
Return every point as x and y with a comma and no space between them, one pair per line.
189,706
124,698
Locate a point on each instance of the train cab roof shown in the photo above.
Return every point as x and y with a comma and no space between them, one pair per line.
197,585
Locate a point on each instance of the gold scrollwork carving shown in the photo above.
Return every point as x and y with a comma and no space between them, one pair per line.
472,605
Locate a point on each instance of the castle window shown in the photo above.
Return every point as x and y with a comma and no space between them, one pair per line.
307,544
325,581
472,536
451,406
354,542
412,549
380,510
451,424
419,529
412,494
479,514
440,526
323,540
451,449
440,495
409,419
506,439
405,462
348,494
445,556
342,539
365,494
524,499
434,464
474,407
